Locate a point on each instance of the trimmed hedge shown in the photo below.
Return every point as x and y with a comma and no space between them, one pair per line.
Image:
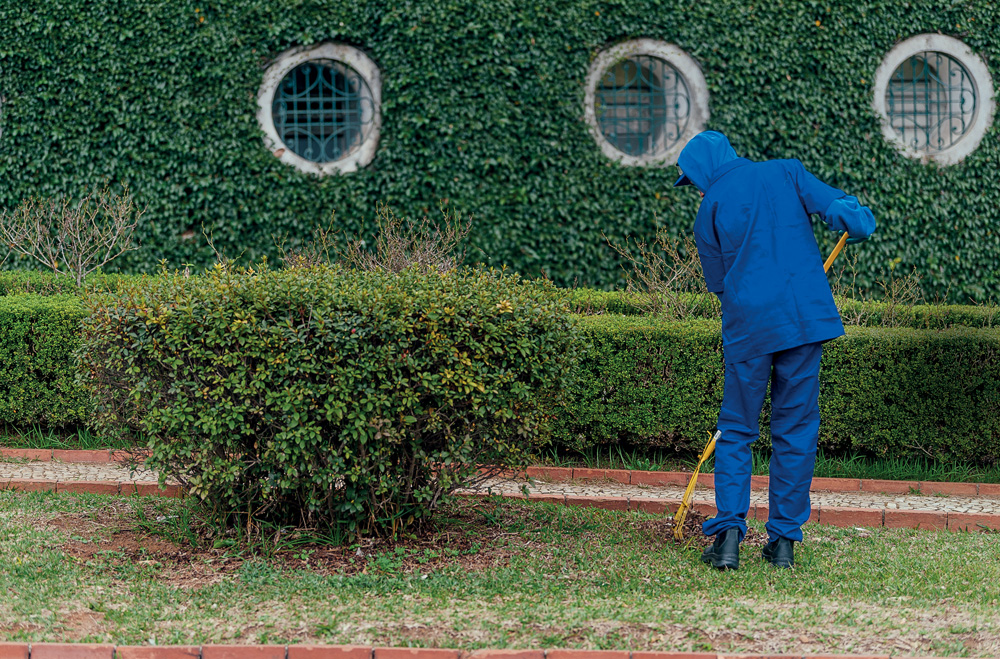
326,397
590,301
871,313
34,282
38,336
899,392
483,106
644,382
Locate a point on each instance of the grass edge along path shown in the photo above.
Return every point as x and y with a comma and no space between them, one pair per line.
107,651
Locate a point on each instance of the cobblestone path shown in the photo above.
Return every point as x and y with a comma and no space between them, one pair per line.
951,503
73,471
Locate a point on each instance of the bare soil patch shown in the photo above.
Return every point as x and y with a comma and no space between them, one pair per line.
664,528
472,536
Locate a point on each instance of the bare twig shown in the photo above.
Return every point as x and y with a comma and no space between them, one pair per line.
666,277
220,255
73,238
402,243
890,308
315,251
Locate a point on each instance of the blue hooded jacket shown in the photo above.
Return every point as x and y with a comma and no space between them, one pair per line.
757,247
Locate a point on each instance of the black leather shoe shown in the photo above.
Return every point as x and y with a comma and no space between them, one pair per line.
779,553
725,551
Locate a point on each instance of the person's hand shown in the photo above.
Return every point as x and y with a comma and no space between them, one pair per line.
847,214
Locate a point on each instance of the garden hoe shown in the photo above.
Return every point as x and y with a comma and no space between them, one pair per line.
710,448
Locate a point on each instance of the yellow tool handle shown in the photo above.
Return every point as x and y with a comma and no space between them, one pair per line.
681,514
705,455
836,250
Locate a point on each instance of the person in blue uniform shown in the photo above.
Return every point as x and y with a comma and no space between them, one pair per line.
759,255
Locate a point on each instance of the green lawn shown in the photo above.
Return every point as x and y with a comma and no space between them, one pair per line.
48,438
493,573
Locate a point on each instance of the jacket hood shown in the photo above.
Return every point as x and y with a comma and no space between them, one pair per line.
702,157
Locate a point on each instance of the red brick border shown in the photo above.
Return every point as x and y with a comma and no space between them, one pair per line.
243,651
836,485
660,478
70,651
554,474
153,652
329,652
36,454
28,485
890,487
852,516
66,455
13,651
587,654
416,653
989,489
90,487
915,519
95,651
973,522
930,488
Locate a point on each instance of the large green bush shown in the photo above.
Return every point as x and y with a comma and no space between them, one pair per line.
326,397
483,106
896,392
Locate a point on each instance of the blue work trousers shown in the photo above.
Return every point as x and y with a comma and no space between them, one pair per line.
794,378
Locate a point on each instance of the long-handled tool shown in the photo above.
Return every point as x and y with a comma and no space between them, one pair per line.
836,250
682,511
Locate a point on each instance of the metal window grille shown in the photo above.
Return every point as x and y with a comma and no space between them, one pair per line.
643,105
931,101
323,110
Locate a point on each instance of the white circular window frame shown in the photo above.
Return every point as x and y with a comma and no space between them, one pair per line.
981,79
677,58
284,64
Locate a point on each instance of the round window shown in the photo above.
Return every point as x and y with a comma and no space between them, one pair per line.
323,110
935,98
319,108
931,101
645,99
643,106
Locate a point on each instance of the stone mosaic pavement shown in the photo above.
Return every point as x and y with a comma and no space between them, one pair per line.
73,471
951,503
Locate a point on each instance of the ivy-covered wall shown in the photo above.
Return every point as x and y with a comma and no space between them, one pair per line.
483,107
